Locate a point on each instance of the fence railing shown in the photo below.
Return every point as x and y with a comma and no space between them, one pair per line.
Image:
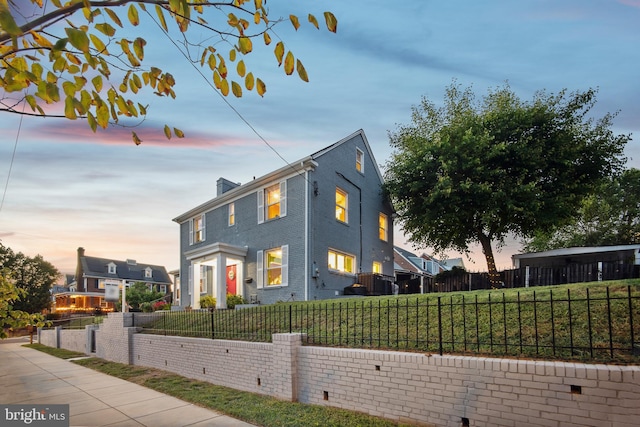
598,324
535,276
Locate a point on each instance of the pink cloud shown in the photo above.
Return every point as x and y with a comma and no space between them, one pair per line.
62,130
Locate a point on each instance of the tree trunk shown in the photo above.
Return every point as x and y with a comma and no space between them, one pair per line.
494,277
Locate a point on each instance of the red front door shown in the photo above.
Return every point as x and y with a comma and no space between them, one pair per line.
231,279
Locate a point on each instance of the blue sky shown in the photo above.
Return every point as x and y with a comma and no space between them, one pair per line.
70,188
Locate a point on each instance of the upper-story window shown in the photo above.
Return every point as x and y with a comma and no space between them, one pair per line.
273,267
111,268
196,230
342,200
383,227
148,273
232,214
272,202
341,262
359,160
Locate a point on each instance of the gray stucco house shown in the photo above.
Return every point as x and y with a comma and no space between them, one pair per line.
302,232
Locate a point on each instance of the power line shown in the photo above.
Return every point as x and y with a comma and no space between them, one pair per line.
224,99
13,156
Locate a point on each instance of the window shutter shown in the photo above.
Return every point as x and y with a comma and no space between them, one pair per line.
260,206
191,231
204,227
283,198
285,265
260,269
191,279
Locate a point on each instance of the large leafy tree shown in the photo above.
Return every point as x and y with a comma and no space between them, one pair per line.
610,216
72,53
33,277
139,293
476,172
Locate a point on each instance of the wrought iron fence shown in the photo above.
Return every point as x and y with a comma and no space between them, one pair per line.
581,323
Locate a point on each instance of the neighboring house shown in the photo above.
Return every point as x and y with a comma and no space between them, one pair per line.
86,292
302,232
412,272
621,254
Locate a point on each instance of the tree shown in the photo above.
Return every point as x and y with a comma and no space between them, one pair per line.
34,277
139,293
610,216
64,53
472,172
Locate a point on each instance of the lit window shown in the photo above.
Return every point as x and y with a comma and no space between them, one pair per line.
272,267
377,267
359,160
383,227
232,214
196,234
272,202
341,262
341,205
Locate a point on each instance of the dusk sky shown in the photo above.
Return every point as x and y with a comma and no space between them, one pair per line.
68,187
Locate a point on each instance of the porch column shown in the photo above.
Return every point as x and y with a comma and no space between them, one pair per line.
221,280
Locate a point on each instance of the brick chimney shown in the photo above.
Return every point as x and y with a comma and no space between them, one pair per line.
223,185
79,271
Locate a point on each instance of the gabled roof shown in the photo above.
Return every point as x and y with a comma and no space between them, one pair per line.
125,270
294,168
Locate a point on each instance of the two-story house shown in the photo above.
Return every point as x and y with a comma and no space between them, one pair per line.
302,232
87,291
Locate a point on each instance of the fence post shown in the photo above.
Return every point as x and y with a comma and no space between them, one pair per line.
440,325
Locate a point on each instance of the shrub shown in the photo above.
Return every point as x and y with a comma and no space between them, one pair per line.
233,300
146,307
207,301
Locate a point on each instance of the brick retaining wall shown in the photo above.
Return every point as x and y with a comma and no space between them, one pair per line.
416,388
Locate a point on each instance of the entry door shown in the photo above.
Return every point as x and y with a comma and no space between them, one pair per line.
231,279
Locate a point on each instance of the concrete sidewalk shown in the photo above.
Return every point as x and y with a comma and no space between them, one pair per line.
29,376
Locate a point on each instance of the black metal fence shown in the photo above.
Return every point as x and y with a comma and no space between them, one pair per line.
582,323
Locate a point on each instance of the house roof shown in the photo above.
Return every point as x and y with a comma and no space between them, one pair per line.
125,270
292,169
575,251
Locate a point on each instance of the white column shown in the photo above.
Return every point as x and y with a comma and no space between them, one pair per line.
221,280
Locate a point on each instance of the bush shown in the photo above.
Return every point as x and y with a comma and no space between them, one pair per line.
207,301
146,307
233,300
161,305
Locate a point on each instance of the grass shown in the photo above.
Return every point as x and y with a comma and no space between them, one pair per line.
585,322
250,407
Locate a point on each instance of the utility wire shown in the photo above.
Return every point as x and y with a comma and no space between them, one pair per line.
13,156
224,99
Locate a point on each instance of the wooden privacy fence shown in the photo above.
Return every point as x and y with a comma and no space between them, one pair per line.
536,276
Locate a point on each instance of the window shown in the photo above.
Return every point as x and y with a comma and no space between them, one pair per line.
341,205
232,214
359,160
377,267
341,262
148,273
272,202
383,225
111,268
273,267
196,230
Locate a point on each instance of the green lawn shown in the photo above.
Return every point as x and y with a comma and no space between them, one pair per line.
597,322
